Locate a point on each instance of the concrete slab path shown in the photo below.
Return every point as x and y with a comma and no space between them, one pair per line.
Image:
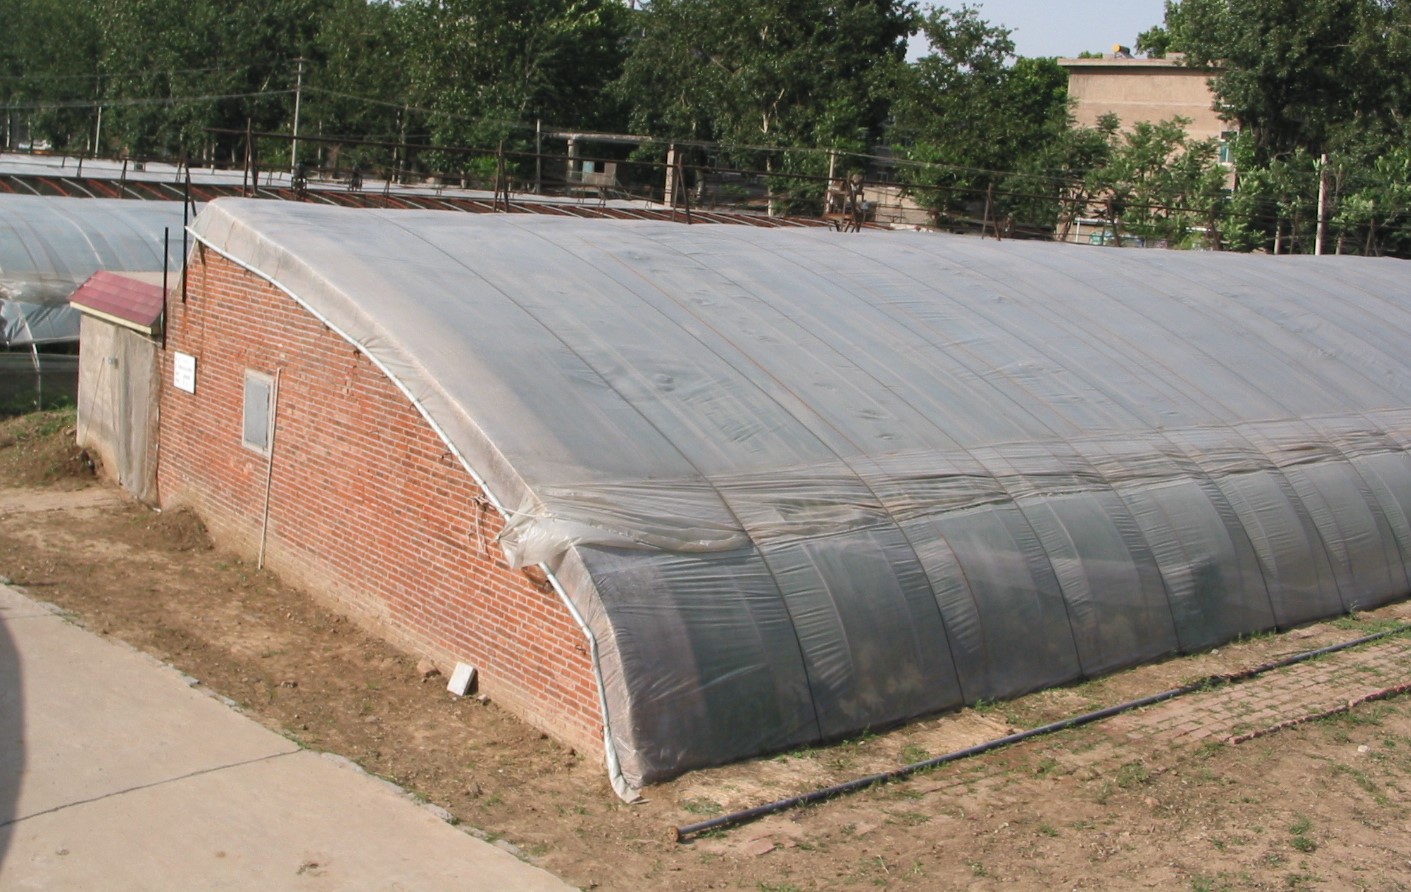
116,774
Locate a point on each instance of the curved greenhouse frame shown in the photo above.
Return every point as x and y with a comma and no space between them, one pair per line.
798,484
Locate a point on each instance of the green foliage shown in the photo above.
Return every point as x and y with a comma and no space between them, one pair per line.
1160,185
1298,73
481,67
773,73
755,75
971,111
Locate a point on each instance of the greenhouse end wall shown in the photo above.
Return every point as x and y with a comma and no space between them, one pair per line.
367,507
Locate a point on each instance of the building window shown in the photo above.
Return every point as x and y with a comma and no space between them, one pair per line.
259,414
1227,146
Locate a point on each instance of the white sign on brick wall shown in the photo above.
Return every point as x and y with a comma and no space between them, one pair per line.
184,372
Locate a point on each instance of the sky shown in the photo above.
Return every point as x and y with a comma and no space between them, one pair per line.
1067,27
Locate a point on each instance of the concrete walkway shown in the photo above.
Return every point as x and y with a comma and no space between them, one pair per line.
116,774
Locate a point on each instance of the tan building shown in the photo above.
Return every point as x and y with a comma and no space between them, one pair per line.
1138,90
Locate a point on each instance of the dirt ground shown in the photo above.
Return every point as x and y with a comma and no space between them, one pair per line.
1323,805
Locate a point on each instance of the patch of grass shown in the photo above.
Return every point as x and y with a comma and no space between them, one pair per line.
841,762
1359,622
1210,748
1048,830
49,422
1299,830
1362,780
1200,883
1131,774
777,887
978,869
911,754
902,791
702,806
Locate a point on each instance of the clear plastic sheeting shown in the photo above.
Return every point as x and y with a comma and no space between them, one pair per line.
799,484
49,246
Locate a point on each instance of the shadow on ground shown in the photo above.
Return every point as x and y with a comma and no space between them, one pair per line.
12,753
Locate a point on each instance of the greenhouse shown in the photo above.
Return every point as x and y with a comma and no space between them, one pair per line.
49,246
796,484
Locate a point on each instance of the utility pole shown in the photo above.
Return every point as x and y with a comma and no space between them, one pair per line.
1322,204
298,93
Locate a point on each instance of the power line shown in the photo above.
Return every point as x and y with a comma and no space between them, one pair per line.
122,103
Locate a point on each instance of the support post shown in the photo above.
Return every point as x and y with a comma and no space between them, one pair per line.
669,191
1322,204
298,94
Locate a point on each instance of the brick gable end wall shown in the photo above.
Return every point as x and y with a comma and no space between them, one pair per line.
367,506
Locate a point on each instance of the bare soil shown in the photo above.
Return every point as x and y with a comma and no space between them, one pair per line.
1323,805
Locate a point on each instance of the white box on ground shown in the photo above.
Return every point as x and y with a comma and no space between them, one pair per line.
461,679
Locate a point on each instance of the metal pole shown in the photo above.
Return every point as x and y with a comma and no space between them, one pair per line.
298,94
538,157
98,132
1322,203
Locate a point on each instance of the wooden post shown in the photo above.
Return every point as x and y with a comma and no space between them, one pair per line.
669,192
1322,204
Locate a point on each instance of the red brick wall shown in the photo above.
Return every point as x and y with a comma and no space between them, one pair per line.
367,505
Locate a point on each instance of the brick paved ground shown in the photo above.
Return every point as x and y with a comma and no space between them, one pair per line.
1234,713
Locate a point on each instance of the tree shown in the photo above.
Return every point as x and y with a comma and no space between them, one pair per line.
766,73
175,69
1050,186
970,111
484,70
50,70
359,81
1298,73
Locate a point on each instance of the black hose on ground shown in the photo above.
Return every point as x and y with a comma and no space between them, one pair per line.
735,819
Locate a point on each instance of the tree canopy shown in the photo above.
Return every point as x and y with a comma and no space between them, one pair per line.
789,88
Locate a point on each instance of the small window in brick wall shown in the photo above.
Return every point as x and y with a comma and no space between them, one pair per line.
259,392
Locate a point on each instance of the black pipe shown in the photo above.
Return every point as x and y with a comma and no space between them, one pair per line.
743,817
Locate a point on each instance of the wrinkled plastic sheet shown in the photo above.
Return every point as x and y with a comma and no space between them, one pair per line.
799,484
49,246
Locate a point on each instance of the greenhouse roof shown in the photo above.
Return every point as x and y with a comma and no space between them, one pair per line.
49,246
800,483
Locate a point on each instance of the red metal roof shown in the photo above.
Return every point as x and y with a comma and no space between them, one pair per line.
131,299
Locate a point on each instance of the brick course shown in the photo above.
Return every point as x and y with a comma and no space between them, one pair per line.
368,508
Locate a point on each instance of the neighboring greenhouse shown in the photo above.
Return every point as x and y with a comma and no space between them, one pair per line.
48,247
784,486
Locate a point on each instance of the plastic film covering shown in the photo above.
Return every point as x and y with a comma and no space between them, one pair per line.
49,246
800,484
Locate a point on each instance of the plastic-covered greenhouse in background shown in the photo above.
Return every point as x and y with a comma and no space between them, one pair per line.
48,247
800,484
